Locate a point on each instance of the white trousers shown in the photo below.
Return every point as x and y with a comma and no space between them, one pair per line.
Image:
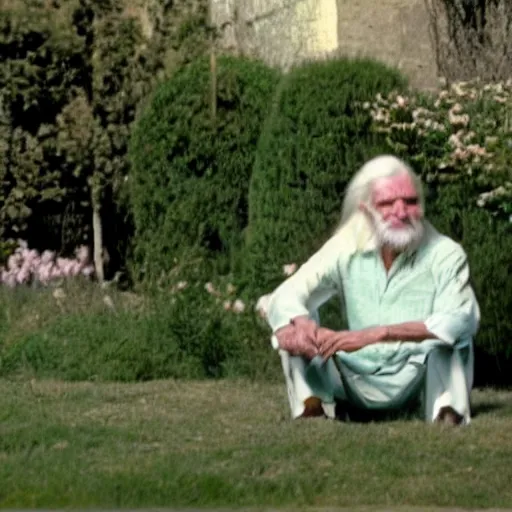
448,382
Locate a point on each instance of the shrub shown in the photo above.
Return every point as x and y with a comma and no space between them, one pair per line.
26,266
191,167
41,68
461,134
314,140
72,75
186,334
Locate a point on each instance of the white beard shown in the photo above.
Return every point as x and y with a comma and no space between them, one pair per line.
398,239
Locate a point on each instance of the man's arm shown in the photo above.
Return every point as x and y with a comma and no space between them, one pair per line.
292,303
315,282
410,331
455,316
330,342
320,277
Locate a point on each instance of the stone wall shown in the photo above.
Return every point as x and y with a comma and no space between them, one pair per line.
284,32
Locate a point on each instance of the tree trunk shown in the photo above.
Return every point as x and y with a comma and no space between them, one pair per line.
97,230
213,77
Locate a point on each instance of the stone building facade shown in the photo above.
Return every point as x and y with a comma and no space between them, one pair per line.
284,32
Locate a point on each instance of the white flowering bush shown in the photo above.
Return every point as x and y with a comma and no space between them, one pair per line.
223,294
27,266
227,298
463,132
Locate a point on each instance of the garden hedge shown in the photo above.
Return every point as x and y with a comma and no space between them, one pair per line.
191,168
189,196
314,140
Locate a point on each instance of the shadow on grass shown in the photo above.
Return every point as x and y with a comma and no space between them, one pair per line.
486,408
347,412
481,406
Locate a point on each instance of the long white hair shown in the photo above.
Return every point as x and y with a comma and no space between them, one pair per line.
359,189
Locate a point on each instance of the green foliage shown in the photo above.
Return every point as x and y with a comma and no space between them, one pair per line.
41,65
73,74
187,334
191,166
314,140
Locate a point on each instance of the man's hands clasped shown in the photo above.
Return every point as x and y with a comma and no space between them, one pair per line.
303,337
299,337
330,342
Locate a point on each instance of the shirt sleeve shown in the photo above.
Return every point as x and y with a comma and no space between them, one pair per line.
313,284
456,314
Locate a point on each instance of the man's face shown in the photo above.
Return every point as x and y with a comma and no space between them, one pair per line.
396,212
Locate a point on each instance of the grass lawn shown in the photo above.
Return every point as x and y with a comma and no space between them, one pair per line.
231,443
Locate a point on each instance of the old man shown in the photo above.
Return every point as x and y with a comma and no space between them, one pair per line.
412,313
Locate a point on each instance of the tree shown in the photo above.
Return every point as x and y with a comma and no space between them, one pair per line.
73,74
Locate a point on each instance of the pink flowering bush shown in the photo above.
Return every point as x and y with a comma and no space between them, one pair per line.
225,295
461,133
289,269
27,266
236,305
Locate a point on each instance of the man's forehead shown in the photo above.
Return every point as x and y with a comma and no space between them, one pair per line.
398,185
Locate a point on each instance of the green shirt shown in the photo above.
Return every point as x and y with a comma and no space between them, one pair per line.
429,284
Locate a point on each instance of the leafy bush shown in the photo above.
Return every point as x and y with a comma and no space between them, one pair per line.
42,64
191,167
72,75
461,134
314,140
187,334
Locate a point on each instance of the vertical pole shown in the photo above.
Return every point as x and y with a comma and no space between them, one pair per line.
213,65
97,229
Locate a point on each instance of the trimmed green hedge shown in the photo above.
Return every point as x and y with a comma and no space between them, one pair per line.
190,172
314,140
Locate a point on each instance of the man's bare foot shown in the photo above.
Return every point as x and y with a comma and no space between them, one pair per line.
447,416
313,408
